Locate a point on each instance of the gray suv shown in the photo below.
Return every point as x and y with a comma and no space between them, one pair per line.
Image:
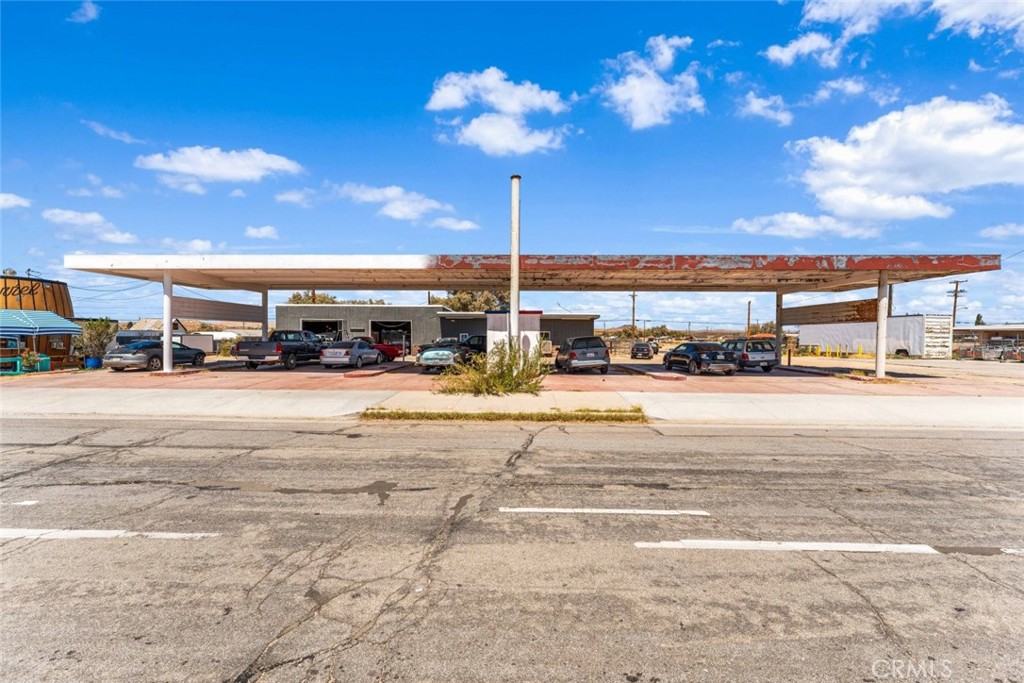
583,353
754,353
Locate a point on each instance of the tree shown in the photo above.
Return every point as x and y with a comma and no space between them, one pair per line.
763,328
978,320
469,300
659,331
311,297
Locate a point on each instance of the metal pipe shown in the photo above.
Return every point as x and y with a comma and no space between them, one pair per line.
779,336
881,331
168,350
265,323
513,298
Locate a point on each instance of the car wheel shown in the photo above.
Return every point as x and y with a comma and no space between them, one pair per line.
766,368
359,361
693,368
198,360
730,372
290,361
667,364
117,369
328,367
568,369
251,365
604,370
380,358
154,364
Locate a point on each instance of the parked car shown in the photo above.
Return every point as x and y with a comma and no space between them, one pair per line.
449,351
149,354
754,353
352,352
288,347
654,344
698,357
583,353
641,350
389,351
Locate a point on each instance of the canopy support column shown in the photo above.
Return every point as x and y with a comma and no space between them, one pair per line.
265,303
513,298
779,337
168,354
881,331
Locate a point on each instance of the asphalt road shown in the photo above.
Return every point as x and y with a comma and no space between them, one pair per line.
343,551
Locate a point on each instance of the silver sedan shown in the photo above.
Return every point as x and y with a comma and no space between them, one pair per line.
352,352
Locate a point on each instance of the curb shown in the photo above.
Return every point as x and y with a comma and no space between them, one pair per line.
658,374
393,365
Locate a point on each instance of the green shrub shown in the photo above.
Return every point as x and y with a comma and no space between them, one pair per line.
505,370
96,335
225,346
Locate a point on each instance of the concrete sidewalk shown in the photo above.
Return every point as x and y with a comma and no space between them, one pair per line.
814,410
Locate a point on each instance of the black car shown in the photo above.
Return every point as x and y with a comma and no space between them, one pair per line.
641,350
149,355
698,357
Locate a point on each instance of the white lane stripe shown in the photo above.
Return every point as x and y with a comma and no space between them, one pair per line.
792,546
607,511
73,534
24,502
1013,551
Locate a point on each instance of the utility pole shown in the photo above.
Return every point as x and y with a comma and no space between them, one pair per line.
633,296
747,334
956,295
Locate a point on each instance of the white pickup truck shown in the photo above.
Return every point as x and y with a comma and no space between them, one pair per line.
754,353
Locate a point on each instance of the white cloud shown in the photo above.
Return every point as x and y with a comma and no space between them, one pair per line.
644,92
300,197
502,135
809,44
88,11
237,193
187,167
887,169
449,223
195,246
1004,231
107,191
714,44
863,17
845,86
857,17
36,252
978,18
772,108
491,87
105,132
976,68
92,224
1011,74
264,232
396,202
800,226
183,183
509,103
13,201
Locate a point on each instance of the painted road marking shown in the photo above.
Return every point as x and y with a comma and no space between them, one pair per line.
73,534
607,511
790,546
24,502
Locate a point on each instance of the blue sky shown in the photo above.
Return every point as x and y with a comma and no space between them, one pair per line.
886,127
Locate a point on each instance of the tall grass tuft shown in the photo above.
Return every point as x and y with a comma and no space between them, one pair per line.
505,370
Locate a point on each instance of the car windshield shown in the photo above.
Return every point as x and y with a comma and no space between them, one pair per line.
641,346
139,345
704,348
760,346
343,345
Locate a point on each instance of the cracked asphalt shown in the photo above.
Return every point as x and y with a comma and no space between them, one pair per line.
346,551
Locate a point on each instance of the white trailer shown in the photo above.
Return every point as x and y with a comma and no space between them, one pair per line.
921,336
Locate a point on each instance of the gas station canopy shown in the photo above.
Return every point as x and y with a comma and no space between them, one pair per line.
733,273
